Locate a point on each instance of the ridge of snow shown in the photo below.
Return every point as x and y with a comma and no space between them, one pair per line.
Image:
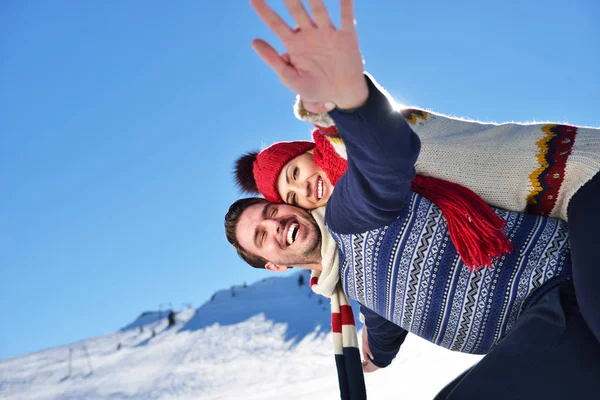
269,340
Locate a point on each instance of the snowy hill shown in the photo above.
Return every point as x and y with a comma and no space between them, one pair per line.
269,340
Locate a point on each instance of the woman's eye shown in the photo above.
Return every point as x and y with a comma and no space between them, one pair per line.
294,202
263,237
274,212
295,173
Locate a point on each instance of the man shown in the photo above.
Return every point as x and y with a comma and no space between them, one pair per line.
394,255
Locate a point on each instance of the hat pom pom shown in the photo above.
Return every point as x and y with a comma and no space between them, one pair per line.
243,172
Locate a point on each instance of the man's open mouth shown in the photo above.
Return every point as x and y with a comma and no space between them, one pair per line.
292,233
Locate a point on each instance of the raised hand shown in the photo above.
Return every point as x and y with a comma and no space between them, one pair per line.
322,64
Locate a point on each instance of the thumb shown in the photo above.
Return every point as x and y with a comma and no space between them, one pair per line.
279,64
367,352
366,349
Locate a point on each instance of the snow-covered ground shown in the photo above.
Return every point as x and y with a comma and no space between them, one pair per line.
266,341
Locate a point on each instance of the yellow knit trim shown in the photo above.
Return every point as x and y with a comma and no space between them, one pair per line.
335,139
542,144
415,116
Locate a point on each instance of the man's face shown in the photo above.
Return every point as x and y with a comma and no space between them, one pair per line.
282,234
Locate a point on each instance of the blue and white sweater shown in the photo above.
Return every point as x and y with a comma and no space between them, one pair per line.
410,273
397,259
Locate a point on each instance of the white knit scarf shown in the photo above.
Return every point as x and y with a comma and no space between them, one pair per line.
345,342
326,282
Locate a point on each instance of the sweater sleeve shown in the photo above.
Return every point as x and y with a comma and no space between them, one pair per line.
382,150
385,337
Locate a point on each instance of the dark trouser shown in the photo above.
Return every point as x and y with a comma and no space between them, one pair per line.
550,353
584,235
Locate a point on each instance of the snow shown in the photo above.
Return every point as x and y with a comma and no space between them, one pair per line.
270,340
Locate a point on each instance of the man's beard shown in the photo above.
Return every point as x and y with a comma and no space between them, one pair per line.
312,254
315,246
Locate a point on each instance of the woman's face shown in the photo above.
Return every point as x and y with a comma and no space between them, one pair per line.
302,183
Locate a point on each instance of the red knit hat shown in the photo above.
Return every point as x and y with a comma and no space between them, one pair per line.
266,167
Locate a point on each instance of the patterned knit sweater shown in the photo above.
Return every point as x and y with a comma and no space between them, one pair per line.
396,257
535,168
410,273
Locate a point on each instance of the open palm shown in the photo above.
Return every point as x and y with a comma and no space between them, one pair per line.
322,63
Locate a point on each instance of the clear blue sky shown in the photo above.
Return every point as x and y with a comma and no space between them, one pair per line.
120,121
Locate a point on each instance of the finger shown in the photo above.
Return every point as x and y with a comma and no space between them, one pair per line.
369,367
318,108
367,350
320,14
347,15
299,13
271,19
270,56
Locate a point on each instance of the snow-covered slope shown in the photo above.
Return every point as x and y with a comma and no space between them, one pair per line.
266,341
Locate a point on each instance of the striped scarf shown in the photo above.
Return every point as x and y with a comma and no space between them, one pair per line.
345,342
